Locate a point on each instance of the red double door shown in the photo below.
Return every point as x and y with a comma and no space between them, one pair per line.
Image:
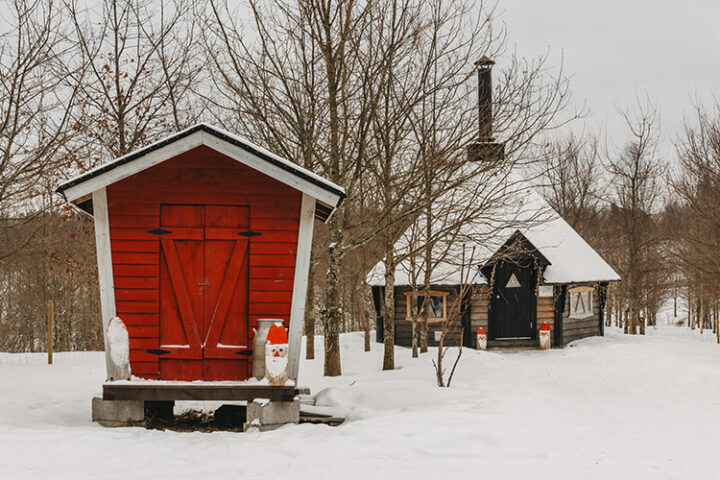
204,269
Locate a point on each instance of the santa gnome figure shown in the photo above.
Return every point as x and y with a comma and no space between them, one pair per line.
481,339
276,355
544,335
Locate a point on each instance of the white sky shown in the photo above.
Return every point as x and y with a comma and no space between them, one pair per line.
668,50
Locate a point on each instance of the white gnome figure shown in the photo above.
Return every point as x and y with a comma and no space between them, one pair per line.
118,344
276,355
544,334
481,339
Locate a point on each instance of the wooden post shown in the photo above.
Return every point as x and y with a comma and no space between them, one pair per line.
50,331
300,284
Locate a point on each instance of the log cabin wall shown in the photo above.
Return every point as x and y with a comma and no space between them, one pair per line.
577,328
200,176
479,310
546,312
403,326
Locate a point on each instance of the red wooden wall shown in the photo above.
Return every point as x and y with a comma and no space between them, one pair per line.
201,176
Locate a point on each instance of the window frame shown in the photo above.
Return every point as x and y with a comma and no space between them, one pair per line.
591,304
420,294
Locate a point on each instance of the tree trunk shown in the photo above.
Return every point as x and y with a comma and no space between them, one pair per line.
414,312
389,323
367,315
310,317
332,318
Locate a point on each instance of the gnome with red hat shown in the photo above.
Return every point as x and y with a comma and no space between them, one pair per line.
544,335
276,355
481,339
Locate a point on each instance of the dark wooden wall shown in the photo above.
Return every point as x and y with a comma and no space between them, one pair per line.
573,328
201,176
403,327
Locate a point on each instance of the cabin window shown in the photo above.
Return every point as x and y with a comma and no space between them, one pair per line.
437,306
581,302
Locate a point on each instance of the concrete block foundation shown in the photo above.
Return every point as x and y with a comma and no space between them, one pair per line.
118,413
265,415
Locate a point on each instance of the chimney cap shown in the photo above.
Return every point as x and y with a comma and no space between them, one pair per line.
484,62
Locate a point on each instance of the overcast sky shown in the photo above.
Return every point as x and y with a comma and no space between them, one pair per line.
667,49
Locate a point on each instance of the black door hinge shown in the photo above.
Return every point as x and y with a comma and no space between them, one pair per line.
159,231
250,233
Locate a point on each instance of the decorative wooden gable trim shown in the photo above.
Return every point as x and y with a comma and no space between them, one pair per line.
328,195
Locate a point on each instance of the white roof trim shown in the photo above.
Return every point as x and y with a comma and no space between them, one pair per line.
223,142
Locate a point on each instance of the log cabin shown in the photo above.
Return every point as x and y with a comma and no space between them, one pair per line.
529,265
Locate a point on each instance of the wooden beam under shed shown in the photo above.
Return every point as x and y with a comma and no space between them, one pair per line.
150,391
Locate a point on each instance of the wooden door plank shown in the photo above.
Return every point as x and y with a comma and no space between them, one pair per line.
219,315
177,278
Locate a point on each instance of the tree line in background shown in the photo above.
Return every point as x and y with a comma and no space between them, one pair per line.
378,97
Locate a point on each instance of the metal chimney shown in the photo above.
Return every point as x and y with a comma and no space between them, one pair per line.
485,150
485,113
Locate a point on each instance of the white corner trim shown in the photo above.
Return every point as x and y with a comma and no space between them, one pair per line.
300,285
105,271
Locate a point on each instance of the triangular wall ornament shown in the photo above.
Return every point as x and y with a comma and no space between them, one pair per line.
513,282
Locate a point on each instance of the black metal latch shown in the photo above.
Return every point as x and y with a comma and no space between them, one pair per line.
250,233
246,353
159,231
157,351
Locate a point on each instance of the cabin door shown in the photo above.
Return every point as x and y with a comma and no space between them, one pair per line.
204,269
512,306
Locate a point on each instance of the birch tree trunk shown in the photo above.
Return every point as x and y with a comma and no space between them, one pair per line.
310,317
389,323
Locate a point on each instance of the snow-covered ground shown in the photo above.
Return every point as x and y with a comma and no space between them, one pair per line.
613,407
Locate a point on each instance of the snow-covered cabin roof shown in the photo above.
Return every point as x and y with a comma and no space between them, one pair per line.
328,194
514,206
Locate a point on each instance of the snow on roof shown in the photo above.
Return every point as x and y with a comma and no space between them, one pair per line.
514,205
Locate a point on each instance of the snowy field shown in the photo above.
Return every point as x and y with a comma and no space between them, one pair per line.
613,407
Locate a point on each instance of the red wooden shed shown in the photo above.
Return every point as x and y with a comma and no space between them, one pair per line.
198,236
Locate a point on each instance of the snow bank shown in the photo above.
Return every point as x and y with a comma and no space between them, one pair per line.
613,407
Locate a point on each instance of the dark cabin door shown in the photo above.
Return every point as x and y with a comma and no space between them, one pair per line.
203,292
513,302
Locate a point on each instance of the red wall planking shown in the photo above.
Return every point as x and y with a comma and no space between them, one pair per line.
200,176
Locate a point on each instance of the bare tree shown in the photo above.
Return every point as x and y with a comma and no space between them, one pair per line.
636,174
468,271
36,98
344,89
697,213
141,64
573,178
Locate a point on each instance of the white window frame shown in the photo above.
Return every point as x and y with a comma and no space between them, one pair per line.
421,294
586,297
